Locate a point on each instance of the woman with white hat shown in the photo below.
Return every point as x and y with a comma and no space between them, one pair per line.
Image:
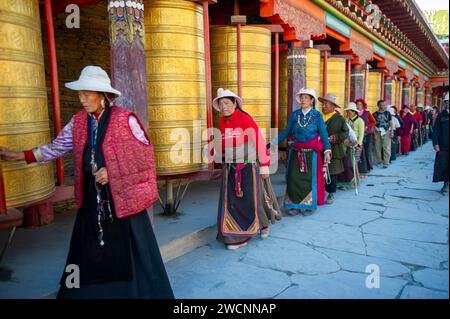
307,140
247,200
350,176
113,244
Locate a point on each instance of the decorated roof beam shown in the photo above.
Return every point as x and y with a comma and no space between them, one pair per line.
299,22
344,14
379,22
408,16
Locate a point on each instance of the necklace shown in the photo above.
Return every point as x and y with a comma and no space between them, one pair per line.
307,120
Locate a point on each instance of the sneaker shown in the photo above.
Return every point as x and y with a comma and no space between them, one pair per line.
444,188
329,200
234,247
265,233
385,166
363,176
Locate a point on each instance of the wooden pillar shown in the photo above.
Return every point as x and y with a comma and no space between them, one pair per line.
277,81
388,94
54,80
296,74
128,65
357,82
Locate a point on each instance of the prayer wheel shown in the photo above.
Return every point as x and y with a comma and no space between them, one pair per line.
421,97
373,91
394,93
24,120
256,69
174,46
336,75
399,89
412,94
313,74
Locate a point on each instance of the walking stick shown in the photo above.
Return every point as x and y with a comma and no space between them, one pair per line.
354,171
420,135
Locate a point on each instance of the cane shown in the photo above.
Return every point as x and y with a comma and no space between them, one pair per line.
354,172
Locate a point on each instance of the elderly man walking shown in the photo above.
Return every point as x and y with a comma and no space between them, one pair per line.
384,132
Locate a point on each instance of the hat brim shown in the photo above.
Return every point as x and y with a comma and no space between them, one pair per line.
323,100
89,86
354,110
297,97
216,101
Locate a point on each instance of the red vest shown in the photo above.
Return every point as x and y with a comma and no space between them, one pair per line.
129,162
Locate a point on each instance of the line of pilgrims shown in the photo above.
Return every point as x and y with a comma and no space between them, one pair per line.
113,243
328,150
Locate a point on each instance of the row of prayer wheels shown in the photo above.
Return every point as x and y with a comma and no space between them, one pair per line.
174,46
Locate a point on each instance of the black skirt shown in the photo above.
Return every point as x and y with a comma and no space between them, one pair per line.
129,265
441,167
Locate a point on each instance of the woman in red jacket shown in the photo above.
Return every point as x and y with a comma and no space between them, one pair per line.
245,159
113,245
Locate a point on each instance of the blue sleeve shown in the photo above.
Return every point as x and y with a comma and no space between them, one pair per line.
323,133
288,129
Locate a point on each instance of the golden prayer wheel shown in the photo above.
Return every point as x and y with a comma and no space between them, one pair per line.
399,87
412,94
394,93
313,72
421,97
336,75
174,46
23,101
256,69
373,91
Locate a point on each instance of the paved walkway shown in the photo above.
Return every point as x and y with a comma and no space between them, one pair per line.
397,226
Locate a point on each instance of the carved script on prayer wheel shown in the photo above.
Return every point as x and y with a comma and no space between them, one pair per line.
23,101
174,46
373,91
336,74
313,74
256,69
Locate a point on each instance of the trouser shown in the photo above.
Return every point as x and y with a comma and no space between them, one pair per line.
382,146
331,188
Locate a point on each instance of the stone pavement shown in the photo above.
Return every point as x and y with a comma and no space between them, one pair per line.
397,225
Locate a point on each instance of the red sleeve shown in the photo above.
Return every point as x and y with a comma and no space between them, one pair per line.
260,142
29,157
372,121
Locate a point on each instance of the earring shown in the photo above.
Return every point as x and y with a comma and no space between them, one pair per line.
103,103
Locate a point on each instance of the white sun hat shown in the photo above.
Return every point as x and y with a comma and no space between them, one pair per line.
351,107
391,110
93,78
310,92
221,93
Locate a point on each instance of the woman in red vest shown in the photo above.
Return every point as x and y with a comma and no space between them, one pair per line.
113,244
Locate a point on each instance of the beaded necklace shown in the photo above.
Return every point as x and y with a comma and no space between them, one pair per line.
307,120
